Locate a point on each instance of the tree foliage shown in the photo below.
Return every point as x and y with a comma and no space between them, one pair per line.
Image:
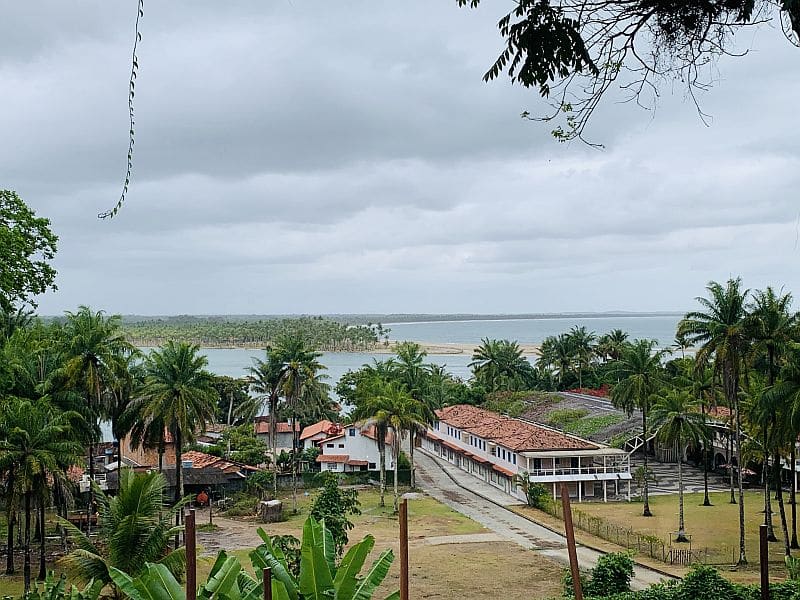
574,51
333,506
27,245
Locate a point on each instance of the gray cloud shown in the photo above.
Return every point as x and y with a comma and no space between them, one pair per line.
343,157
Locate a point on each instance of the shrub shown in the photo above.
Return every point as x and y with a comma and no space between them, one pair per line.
564,416
403,463
260,483
333,506
612,575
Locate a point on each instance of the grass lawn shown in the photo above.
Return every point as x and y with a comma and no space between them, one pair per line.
715,528
437,571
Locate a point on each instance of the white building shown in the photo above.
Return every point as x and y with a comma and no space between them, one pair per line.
352,449
318,432
284,438
497,448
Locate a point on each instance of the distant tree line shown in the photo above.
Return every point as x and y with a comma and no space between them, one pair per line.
325,335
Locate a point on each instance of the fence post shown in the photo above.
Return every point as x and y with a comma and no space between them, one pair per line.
764,560
267,579
573,554
191,556
404,550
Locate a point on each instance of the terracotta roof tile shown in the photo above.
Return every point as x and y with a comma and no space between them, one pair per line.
327,427
333,458
514,434
282,427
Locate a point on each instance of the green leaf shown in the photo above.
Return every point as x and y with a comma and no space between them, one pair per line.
157,583
125,584
315,576
262,559
328,548
224,580
347,575
394,595
373,578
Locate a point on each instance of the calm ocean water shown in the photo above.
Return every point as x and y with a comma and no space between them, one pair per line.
233,362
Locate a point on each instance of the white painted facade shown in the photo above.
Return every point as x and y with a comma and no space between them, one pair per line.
594,472
352,450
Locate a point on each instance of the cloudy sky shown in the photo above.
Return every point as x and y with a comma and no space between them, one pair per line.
345,156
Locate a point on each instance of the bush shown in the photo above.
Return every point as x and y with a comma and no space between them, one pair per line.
538,495
244,505
403,463
332,507
612,575
260,483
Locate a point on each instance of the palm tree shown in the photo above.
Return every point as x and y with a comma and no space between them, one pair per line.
300,383
265,380
610,345
35,443
135,527
410,371
640,375
771,326
582,342
94,346
677,421
500,365
719,328
557,354
367,412
180,392
395,408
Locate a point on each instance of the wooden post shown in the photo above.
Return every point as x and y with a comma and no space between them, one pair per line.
191,556
764,560
267,578
573,554
404,550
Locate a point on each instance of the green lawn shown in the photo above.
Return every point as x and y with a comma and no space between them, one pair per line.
715,528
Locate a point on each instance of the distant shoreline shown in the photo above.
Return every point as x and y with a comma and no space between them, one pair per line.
432,348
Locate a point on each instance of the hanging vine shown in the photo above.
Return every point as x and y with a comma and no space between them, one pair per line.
110,214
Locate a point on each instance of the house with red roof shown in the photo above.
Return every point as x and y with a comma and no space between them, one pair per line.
284,436
497,449
346,448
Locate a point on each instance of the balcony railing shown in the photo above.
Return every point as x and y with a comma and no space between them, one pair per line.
588,470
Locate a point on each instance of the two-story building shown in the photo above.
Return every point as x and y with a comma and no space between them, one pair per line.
284,437
312,435
353,448
498,449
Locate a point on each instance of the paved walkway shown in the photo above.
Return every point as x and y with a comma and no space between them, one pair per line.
464,493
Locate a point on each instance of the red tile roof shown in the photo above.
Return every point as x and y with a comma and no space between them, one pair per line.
514,434
722,413
357,463
327,427
282,427
201,460
503,470
333,458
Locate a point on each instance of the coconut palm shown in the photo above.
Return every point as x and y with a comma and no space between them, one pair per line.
394,408
677,421
719,328
610,345
300,384
179,391
500,365
771,326
136,529
557,354
704,390
36,443
94,346
582,342
366,411
265,380
640,375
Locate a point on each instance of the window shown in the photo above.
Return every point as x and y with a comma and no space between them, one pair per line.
341,445
331,466
574,462
352,432
329,445
371,465
514,458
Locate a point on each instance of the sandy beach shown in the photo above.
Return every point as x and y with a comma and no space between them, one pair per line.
452,348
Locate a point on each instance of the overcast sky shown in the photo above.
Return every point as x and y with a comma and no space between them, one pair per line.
345,156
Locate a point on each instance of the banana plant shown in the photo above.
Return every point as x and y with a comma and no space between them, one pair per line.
319,578
55,588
